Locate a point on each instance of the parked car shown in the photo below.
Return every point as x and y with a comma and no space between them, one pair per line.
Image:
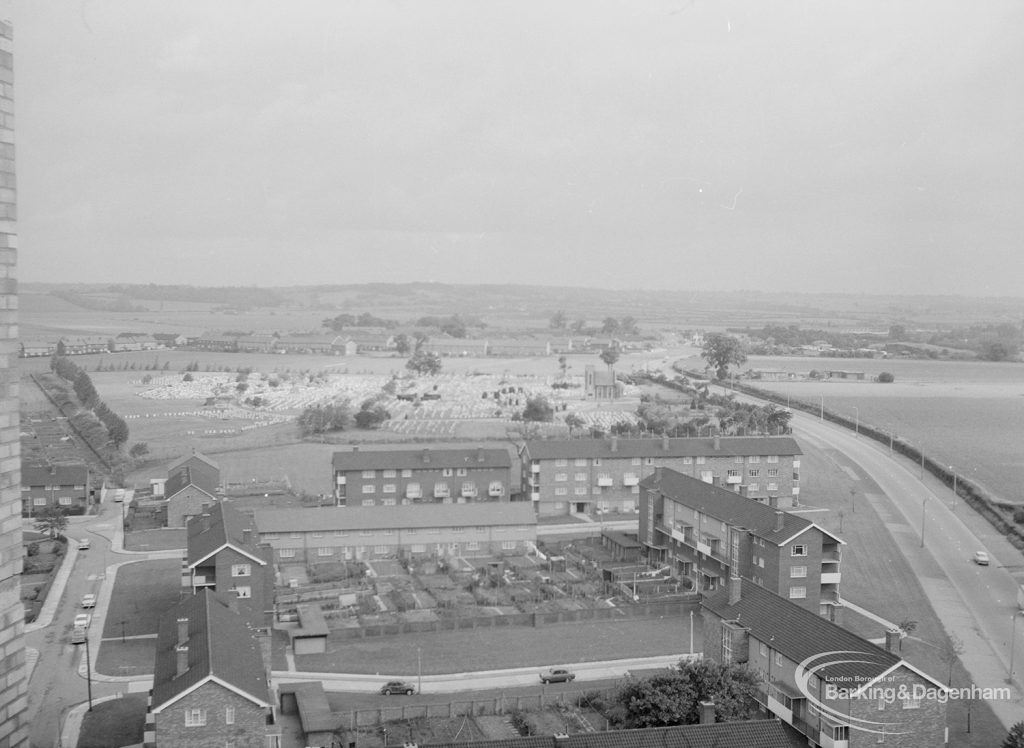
82,621
397,686
557,675
981,558
89,601
83,544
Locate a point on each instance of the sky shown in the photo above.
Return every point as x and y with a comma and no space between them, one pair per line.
845,147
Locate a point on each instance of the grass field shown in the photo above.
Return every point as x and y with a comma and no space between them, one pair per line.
115,722
142,592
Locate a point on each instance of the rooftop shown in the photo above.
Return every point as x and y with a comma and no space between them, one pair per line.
361,458
329,519
728,446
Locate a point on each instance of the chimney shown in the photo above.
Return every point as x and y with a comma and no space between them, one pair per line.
182,654
707,712
355,449
892,639
717,442
479,454
780,520
735,588
615,444
426,455
657,474
247,535
664,442
182,630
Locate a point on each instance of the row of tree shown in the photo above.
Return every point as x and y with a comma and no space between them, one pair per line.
609,325
87,395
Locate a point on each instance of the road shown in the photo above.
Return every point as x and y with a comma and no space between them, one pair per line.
975,603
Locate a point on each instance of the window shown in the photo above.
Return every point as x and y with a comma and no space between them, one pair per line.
480,529
738,459
434,530
580,462
447,472
462,472
369,488
778,659
635,461
752,487
229,715
702,460
389,474
754,472
687,460
241,570
733,473
244,591
473,545
341,533
389,488
580,490
458,529
317,534
380,550
773,486
726,645
798,550
407,473
270,535
772,458
597,460
324,551
580,476
754,459
365,532
760,562
763,649
419,548
389,501
368,502
39,501
912,702
561,476
287,553
561,491
195,718
64,501
773,472
797,592
411,531
797,572
561,463
648,461
369,474
295,535
469,488
508,545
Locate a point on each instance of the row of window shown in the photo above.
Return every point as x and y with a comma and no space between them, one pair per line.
699,460
755,473
391,531
407,473
62,500
360,550
440,488
197,717
586,490
54,488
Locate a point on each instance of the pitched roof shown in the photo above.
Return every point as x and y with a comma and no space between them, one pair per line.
728,506
54,475
801,635
184,477
223,526
194,456
221,648
378,517
728,446
399,459
757,733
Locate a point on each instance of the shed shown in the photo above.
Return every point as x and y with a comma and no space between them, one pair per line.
311,635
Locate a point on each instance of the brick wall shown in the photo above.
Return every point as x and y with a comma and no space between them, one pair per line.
13,685
248,731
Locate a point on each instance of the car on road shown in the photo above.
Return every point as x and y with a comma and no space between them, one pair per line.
557,675
89,601
397,686
981,558
83,544
82,621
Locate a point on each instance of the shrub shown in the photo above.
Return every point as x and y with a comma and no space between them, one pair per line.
886,377
32,549
1018,515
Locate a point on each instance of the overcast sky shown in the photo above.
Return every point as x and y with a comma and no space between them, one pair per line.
869,146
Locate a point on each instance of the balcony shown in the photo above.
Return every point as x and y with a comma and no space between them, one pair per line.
203,580
534,496
630,480
533,482
469,493
830,577
733,479
495,491
341,480
413,493
703,548
831,556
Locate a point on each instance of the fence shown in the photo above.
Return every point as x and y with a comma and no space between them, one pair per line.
648,610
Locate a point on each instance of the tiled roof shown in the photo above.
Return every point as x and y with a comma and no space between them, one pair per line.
758,733
727,506
184,477
225,525
400,459
799,634
56,475
379,517
220,645
729,446
195,455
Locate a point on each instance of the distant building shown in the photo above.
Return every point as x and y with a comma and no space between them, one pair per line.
210,682
858,376
199,463
169,339
37,348
82,344
389,477
600,384
187,490
66,486
332,534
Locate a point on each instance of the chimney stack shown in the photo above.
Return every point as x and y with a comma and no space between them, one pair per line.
780,520
182,655
182,630
247,535
735,588
707,712
717,442
615,444
426,455
664,442
892,640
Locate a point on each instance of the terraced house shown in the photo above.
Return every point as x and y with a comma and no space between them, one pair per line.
707,533
588,476
393,477
66,486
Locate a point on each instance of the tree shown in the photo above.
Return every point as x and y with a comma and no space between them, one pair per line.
777,419
372,414
628,326
950,652
609,326
52,520
424,362
610,355
1015,737
139,449
403,344
995,351
674,697
454,327
320,419
574,422
579,326
721,351
558,320
886,377
538,409
897,332
906,627
563,365
118,430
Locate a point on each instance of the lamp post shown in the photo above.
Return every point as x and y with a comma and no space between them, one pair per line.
924,503
419,671
88,670
1013,642
856,426
953,471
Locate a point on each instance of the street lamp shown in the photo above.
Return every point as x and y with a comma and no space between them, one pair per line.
88,670
419,671
856,427
924,503
1013,642
953,471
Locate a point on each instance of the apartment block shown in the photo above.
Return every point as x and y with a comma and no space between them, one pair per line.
587,476
13,695
330,534
837,689
395,477
706,533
